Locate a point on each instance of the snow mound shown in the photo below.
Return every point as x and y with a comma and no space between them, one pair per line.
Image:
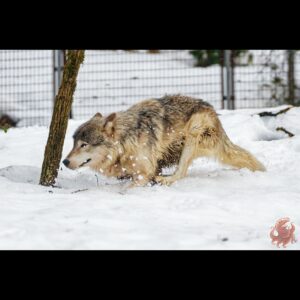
21,174
214,207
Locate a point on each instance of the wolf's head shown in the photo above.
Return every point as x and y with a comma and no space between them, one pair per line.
94,144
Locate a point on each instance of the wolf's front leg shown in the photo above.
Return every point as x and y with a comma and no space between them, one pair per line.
165,180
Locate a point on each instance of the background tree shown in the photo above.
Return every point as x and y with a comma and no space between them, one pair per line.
291,77
60,117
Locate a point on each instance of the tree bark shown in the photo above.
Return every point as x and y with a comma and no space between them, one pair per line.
291,77
60,117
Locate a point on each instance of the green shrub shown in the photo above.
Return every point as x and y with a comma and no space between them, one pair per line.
206,58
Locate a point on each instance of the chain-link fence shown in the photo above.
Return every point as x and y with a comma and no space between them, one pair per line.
26,85
112,80
116,79
265,79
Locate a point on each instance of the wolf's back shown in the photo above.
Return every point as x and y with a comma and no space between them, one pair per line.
178,107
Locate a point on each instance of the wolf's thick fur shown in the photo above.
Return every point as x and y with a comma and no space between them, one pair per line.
154,134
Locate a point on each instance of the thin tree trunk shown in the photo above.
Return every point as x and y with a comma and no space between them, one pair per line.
291,77
61,112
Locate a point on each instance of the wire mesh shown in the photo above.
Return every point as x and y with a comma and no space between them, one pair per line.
26,85
263,81
112,80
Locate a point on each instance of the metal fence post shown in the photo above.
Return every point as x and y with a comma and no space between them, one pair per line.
58,65
229,78
223,97
59,60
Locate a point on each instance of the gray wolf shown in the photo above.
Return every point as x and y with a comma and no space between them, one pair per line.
151,135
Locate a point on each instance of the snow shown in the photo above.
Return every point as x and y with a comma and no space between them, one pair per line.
214,207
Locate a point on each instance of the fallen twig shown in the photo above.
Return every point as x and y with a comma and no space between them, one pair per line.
78,191
270,114
285,131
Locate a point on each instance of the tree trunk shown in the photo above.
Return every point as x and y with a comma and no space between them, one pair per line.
60,116
291,77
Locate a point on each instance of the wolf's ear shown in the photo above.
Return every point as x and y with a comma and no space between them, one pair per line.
109,124
97,115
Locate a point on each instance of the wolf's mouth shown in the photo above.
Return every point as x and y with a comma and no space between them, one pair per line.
86,162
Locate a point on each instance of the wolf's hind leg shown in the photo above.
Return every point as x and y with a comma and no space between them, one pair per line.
201,140
187,156
189,153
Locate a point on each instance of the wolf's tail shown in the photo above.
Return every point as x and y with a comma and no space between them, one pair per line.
231,154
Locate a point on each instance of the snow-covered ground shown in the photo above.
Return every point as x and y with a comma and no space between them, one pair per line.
215,207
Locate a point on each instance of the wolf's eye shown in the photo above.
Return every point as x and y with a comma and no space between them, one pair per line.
83,145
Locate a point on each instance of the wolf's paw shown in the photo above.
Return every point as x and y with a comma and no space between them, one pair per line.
139,183
165,180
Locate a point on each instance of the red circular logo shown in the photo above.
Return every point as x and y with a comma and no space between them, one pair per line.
283,232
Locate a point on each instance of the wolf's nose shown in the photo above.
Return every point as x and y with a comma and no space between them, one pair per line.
66,162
